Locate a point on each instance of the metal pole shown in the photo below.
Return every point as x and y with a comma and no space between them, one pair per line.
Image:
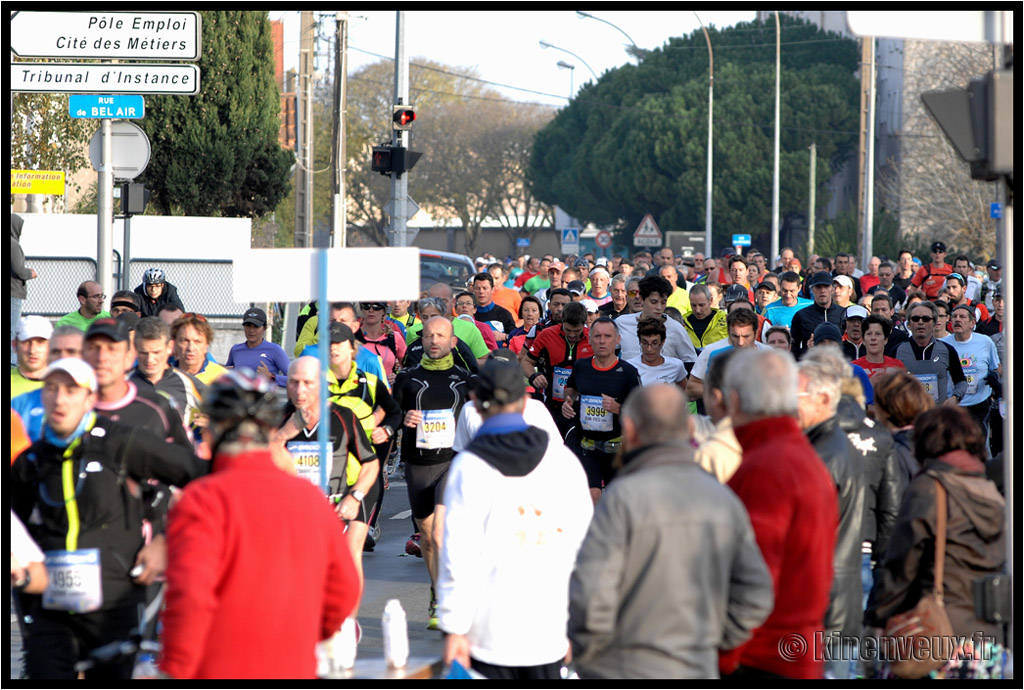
105,210
1009,379
399,181
323,432
308,178
338,211
869,167
711,112
775,177
810,207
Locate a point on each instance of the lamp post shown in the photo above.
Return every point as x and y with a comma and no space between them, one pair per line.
562,64
775,177
545,44
636,52
711,112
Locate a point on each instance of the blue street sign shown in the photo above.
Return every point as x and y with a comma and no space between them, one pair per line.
741,240
523,242
106,107
997,210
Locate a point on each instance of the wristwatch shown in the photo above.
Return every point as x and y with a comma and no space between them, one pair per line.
388,430
358,495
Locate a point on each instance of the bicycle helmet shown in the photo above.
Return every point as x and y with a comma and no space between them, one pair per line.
239,396
154,276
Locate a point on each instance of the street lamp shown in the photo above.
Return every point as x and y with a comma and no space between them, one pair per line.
636,51
545,44
562,64
711,110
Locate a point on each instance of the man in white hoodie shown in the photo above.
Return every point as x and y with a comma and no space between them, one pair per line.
517,510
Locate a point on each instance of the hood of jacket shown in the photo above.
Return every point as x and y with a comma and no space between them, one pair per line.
850,414
514,453
975,495
17,223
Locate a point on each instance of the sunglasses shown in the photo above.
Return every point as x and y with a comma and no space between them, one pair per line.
376,306
919,319
632,293
193,315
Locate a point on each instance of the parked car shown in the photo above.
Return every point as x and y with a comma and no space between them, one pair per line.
445,267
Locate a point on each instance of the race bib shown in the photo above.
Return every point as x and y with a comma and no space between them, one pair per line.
971,373
306,456
930,383
75,581
561,375
437,430
593,416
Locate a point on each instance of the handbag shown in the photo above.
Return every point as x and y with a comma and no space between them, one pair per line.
919,640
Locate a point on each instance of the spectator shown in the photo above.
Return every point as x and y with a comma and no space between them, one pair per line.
90,301
257,353
20,275
155,291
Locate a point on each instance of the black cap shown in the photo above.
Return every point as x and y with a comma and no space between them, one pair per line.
766,285
340,333
994,264
735,292
938,246
130,318
827,331
499,381
255,316
820,278
115,329
577,287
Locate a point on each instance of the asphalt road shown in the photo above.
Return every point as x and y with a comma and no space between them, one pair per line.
389,573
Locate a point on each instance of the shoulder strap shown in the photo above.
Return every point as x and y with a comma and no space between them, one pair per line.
940,537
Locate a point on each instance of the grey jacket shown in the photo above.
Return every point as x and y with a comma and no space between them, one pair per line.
669,573
20,273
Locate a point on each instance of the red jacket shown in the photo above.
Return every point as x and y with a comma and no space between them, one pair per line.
258,572
794,510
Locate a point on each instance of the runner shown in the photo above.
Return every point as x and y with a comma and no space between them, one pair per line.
427,308
741,322
487,312
655,291
379,336
431,395
192,336
930,277
594,393
934,363
824,309
653,367
257,353
980,360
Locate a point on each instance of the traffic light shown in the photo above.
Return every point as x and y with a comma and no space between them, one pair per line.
403,117
134,198
393,159
978,121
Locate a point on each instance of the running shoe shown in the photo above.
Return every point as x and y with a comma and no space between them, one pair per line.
412,547
432,623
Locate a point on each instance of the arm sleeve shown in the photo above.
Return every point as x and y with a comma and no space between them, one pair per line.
149,457
392,412
751,595
18,267
887,503
956,373
919,277
307,336
280,359
594,588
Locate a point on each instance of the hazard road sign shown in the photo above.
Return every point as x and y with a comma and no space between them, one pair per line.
648,234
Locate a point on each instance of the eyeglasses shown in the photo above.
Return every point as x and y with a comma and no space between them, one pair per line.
919,319
100,296
632,293
376,306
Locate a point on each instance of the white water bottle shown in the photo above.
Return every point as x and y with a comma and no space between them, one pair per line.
396,634
344,646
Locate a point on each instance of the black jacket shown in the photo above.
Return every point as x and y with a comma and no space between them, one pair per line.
845,468
151,306
809,318
110,512
884,480
975,545
20,273
904,444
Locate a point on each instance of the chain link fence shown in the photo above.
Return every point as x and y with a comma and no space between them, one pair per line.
204,286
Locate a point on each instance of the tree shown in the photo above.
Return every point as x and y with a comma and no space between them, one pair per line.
216,153
635,142
930,186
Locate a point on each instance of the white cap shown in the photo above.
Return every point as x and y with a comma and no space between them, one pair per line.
77,369
856,311
601,261
844,280
34,327
590,304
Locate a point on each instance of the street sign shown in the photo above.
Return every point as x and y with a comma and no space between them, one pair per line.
976,26
37,182
522,241
741,240
144,78
603,239
114,107
570,241
107,35
411,208
648,234
129,149
996,210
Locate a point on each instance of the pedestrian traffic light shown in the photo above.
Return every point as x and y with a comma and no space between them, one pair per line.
381,160
403,117
393,159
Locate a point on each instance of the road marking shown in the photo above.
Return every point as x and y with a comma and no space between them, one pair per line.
401,516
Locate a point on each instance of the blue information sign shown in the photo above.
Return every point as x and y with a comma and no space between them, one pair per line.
106,107
997,210
523,242
741,240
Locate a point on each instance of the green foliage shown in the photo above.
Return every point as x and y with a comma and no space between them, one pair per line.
842,234
216,153
635,142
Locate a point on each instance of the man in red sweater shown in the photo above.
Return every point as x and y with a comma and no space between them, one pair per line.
794,510
258,570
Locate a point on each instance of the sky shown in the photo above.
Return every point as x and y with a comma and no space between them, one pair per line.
504,46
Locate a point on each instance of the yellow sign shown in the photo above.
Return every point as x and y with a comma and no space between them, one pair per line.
37,182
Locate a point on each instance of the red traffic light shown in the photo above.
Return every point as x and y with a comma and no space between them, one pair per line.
403,117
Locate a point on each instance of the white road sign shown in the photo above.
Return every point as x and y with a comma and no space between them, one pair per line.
107,35
648,234
139,78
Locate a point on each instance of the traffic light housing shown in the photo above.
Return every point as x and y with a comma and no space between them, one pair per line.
393,159
402,118
134,198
